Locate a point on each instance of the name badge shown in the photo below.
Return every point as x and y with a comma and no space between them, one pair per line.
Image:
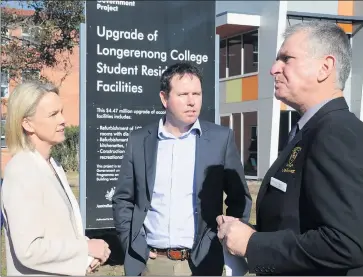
278,184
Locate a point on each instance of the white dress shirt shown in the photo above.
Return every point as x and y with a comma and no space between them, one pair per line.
170,221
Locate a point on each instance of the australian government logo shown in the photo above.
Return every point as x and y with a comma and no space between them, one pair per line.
109,194
290,166
113,6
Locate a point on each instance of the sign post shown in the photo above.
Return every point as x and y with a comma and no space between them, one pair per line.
128,46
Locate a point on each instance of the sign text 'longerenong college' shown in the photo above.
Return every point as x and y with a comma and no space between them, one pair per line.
129,46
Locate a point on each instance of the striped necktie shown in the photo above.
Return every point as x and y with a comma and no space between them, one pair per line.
293,132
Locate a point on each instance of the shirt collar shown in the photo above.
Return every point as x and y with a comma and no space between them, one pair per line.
164,134
310,113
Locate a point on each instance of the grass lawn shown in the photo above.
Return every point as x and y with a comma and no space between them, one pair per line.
117,270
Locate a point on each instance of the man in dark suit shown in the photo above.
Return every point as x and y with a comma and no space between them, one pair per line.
309,207
172,180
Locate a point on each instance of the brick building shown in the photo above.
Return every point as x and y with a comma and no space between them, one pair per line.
69,88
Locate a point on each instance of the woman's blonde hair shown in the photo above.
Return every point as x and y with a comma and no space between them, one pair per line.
22,103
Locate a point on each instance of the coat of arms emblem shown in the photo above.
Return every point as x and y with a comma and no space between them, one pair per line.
293,156
109,194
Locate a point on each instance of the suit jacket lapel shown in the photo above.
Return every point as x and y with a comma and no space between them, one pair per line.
59,187
72,199
333,105
201,152
275,167
150,152
48,171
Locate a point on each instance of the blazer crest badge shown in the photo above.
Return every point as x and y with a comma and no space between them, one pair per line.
290,163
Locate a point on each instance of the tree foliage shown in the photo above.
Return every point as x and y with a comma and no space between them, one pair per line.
67,153
52,29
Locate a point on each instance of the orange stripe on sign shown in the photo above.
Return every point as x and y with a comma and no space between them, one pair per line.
345,7
250,88
347,27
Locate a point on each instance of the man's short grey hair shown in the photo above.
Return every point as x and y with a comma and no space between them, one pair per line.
327,38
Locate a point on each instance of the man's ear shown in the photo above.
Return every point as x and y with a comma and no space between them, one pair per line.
327,68
27,125
164,98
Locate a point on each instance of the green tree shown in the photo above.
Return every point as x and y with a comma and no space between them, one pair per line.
52,32
67,153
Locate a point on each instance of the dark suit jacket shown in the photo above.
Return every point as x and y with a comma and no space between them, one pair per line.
218,168
316,226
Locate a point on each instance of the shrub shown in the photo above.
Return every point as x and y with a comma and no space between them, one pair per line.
67,152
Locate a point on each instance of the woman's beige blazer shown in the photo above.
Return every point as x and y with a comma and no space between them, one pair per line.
43,226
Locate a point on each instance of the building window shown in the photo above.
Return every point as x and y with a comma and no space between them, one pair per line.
2,135
30,34
250,138
5,38
288,119
225,121
253,132
250,52
234,56
4,83
236,121
30,75
231,61
350,39
222,58
293,19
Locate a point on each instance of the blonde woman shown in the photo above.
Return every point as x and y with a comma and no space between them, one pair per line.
43,226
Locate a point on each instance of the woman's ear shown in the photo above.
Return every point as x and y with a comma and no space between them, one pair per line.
27,125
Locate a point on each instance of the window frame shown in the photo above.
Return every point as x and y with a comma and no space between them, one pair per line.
28,36
5,38
7,86
2,137
29,70
308,18
227,75
256,130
